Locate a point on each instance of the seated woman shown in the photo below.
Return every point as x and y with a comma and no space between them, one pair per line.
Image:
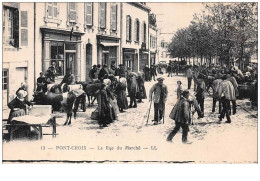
18,108
18,105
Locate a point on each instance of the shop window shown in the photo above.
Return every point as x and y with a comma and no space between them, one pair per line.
10,26
4,79
88,14
57,55
113,17
102,15
137,30
128,28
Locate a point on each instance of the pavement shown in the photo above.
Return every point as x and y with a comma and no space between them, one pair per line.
130,139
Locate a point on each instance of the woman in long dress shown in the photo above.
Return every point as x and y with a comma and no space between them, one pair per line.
121,94
104,108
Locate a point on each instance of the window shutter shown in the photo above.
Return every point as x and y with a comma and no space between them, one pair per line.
55,11
88,14
16,28
72,12
50,10
127,28
24,19
144,32
114,17
130,28
102,15
24,28
137,30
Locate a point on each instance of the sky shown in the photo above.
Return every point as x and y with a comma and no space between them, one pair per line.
172,16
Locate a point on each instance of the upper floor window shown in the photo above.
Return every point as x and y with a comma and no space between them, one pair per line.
89,14
4,79
113,19
10,26
72,12
52,10
144,32
137,30
102,14
128,28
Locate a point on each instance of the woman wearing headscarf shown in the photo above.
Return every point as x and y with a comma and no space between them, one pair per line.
121,94
18,105
111,98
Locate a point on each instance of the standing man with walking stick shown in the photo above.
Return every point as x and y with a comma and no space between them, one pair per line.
160,91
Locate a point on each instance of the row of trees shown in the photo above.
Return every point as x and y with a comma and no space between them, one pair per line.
226,31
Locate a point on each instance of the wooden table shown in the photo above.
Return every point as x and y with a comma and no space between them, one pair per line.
35,122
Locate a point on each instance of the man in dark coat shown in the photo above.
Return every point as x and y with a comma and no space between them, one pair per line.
103,74
51,72
147,73
41,83
181,115
160,91
92,73
121,71
153,72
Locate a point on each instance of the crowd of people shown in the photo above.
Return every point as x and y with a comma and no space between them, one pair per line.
115,84
224,83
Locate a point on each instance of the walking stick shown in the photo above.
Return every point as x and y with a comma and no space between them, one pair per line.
149,111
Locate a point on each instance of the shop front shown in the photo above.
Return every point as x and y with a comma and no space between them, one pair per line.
64,48
130,59
143,59
108,50
152,58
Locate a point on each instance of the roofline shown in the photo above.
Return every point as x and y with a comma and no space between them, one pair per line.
140,5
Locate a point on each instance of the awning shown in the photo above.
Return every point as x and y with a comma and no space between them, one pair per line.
107,44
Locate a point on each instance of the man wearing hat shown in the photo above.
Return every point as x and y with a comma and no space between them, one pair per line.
160,92
121,71
181,115
103,74
92,73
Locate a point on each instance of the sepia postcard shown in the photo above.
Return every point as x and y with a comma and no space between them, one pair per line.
129,82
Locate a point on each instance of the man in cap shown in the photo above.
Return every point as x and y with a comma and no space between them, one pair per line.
160,92
41,83
181,115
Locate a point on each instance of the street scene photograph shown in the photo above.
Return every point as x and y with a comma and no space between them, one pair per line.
130,82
